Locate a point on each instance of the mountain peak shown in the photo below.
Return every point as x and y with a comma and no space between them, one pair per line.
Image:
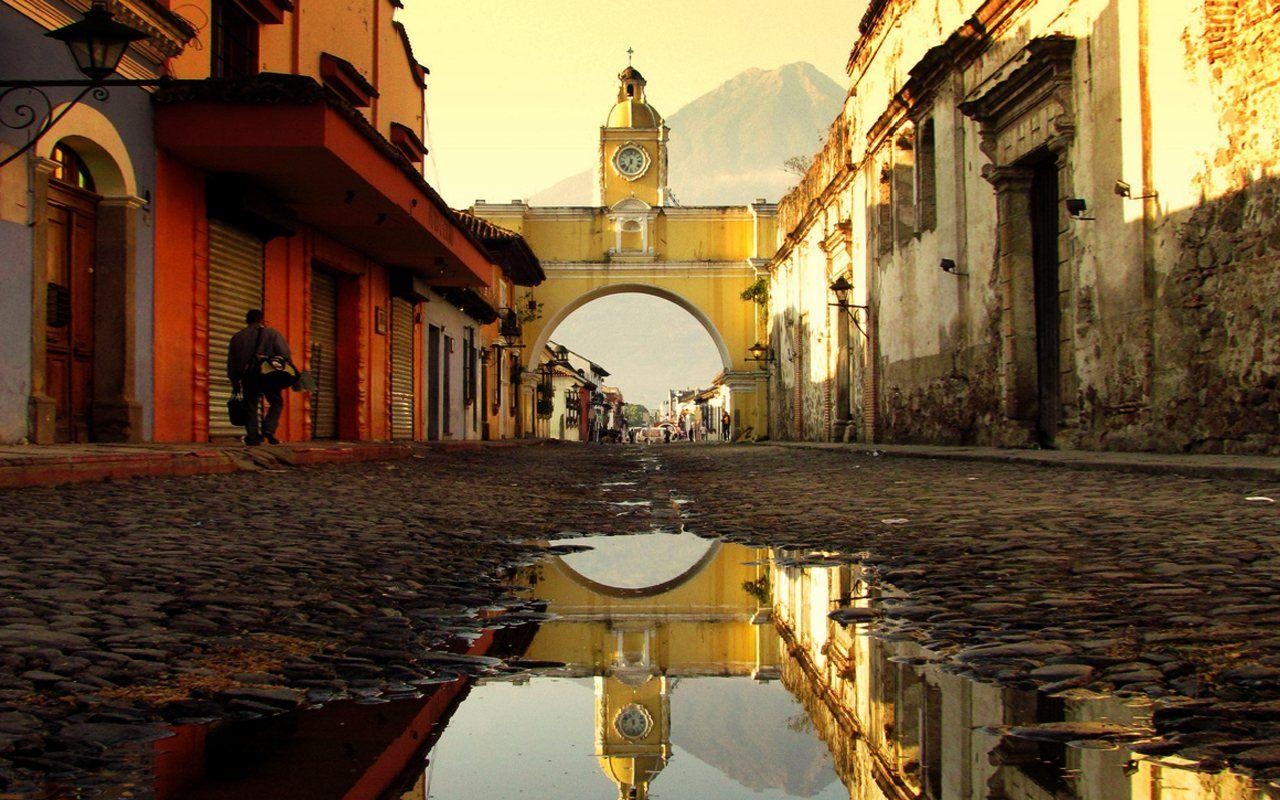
728,146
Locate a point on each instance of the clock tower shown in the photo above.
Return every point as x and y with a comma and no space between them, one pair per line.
633,148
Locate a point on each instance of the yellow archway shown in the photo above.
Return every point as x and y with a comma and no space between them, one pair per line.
552,319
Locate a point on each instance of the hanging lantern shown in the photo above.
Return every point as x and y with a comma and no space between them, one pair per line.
97,42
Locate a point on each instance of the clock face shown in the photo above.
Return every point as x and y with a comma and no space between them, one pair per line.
630,161
633,722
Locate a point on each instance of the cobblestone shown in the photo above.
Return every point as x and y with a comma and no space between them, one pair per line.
145,602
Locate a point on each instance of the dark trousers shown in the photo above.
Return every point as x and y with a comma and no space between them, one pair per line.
253,394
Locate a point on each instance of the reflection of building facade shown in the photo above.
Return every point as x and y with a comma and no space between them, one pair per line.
902,730
638,239
1054,219
636,641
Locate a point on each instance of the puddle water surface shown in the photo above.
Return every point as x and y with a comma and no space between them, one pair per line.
670,666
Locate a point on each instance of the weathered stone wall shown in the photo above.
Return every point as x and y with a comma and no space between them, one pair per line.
1168,296
1218,325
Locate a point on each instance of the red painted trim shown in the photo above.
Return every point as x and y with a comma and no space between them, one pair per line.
342,76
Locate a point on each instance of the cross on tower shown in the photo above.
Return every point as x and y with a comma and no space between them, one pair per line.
629,54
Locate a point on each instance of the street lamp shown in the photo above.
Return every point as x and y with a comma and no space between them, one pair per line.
759,352
97,43
841,287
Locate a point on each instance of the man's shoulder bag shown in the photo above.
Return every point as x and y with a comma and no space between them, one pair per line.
270,372
275,372
237,410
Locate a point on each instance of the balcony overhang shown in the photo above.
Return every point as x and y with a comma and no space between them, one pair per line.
290,137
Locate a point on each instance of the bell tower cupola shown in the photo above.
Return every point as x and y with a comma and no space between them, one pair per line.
633,148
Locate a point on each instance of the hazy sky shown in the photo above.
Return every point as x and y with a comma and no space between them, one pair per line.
647,344
519,88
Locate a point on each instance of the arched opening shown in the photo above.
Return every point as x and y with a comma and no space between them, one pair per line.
642,354
624,566
84,306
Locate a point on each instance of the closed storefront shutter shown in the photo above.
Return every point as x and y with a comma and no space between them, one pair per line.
235,286
401,369
324,354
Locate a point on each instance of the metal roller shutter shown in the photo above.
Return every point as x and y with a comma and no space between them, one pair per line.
324,354
235,286
401,369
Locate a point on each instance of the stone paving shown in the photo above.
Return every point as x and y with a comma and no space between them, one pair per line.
164,600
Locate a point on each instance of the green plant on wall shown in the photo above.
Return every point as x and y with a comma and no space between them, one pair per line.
757,292
759,588
528,309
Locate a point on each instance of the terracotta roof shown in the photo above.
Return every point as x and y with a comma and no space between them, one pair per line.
511,252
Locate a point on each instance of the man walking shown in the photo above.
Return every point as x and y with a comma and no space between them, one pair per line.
248,348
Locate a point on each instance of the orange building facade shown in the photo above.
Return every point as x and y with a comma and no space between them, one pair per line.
288,178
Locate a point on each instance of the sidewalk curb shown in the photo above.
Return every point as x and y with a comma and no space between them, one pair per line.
1196,466
48,467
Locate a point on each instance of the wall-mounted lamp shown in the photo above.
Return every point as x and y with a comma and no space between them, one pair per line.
1076,206
1126,191
948,265
97,43
759,352
841,287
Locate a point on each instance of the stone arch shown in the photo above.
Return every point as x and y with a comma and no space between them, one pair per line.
559,315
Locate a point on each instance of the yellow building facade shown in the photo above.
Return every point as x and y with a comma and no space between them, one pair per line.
636,239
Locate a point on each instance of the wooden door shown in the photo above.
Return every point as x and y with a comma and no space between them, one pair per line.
434,336
1048,309
72,231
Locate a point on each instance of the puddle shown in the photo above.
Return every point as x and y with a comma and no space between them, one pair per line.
665,665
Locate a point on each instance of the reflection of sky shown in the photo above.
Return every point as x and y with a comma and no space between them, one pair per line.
537,741
638,561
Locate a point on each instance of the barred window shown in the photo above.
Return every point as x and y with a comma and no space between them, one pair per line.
926,178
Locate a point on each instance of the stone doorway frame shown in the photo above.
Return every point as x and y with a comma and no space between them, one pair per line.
1025,118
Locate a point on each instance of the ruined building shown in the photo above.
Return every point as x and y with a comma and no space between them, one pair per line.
1059,222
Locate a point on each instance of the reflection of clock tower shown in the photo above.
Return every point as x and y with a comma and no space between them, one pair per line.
633,716
633,148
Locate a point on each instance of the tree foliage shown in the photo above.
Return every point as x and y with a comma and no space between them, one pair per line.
797,165
635,414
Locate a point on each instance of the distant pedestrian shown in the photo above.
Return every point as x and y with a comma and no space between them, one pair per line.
249,347
724,426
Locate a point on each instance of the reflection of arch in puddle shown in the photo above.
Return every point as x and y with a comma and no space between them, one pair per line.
592,569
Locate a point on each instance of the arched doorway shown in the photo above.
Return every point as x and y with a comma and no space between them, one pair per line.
83,326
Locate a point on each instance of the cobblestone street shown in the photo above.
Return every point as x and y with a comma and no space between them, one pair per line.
232,595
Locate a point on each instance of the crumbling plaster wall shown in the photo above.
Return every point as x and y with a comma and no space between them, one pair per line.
1218,242
1168,339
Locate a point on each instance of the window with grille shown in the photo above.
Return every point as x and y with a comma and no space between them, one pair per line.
234,51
